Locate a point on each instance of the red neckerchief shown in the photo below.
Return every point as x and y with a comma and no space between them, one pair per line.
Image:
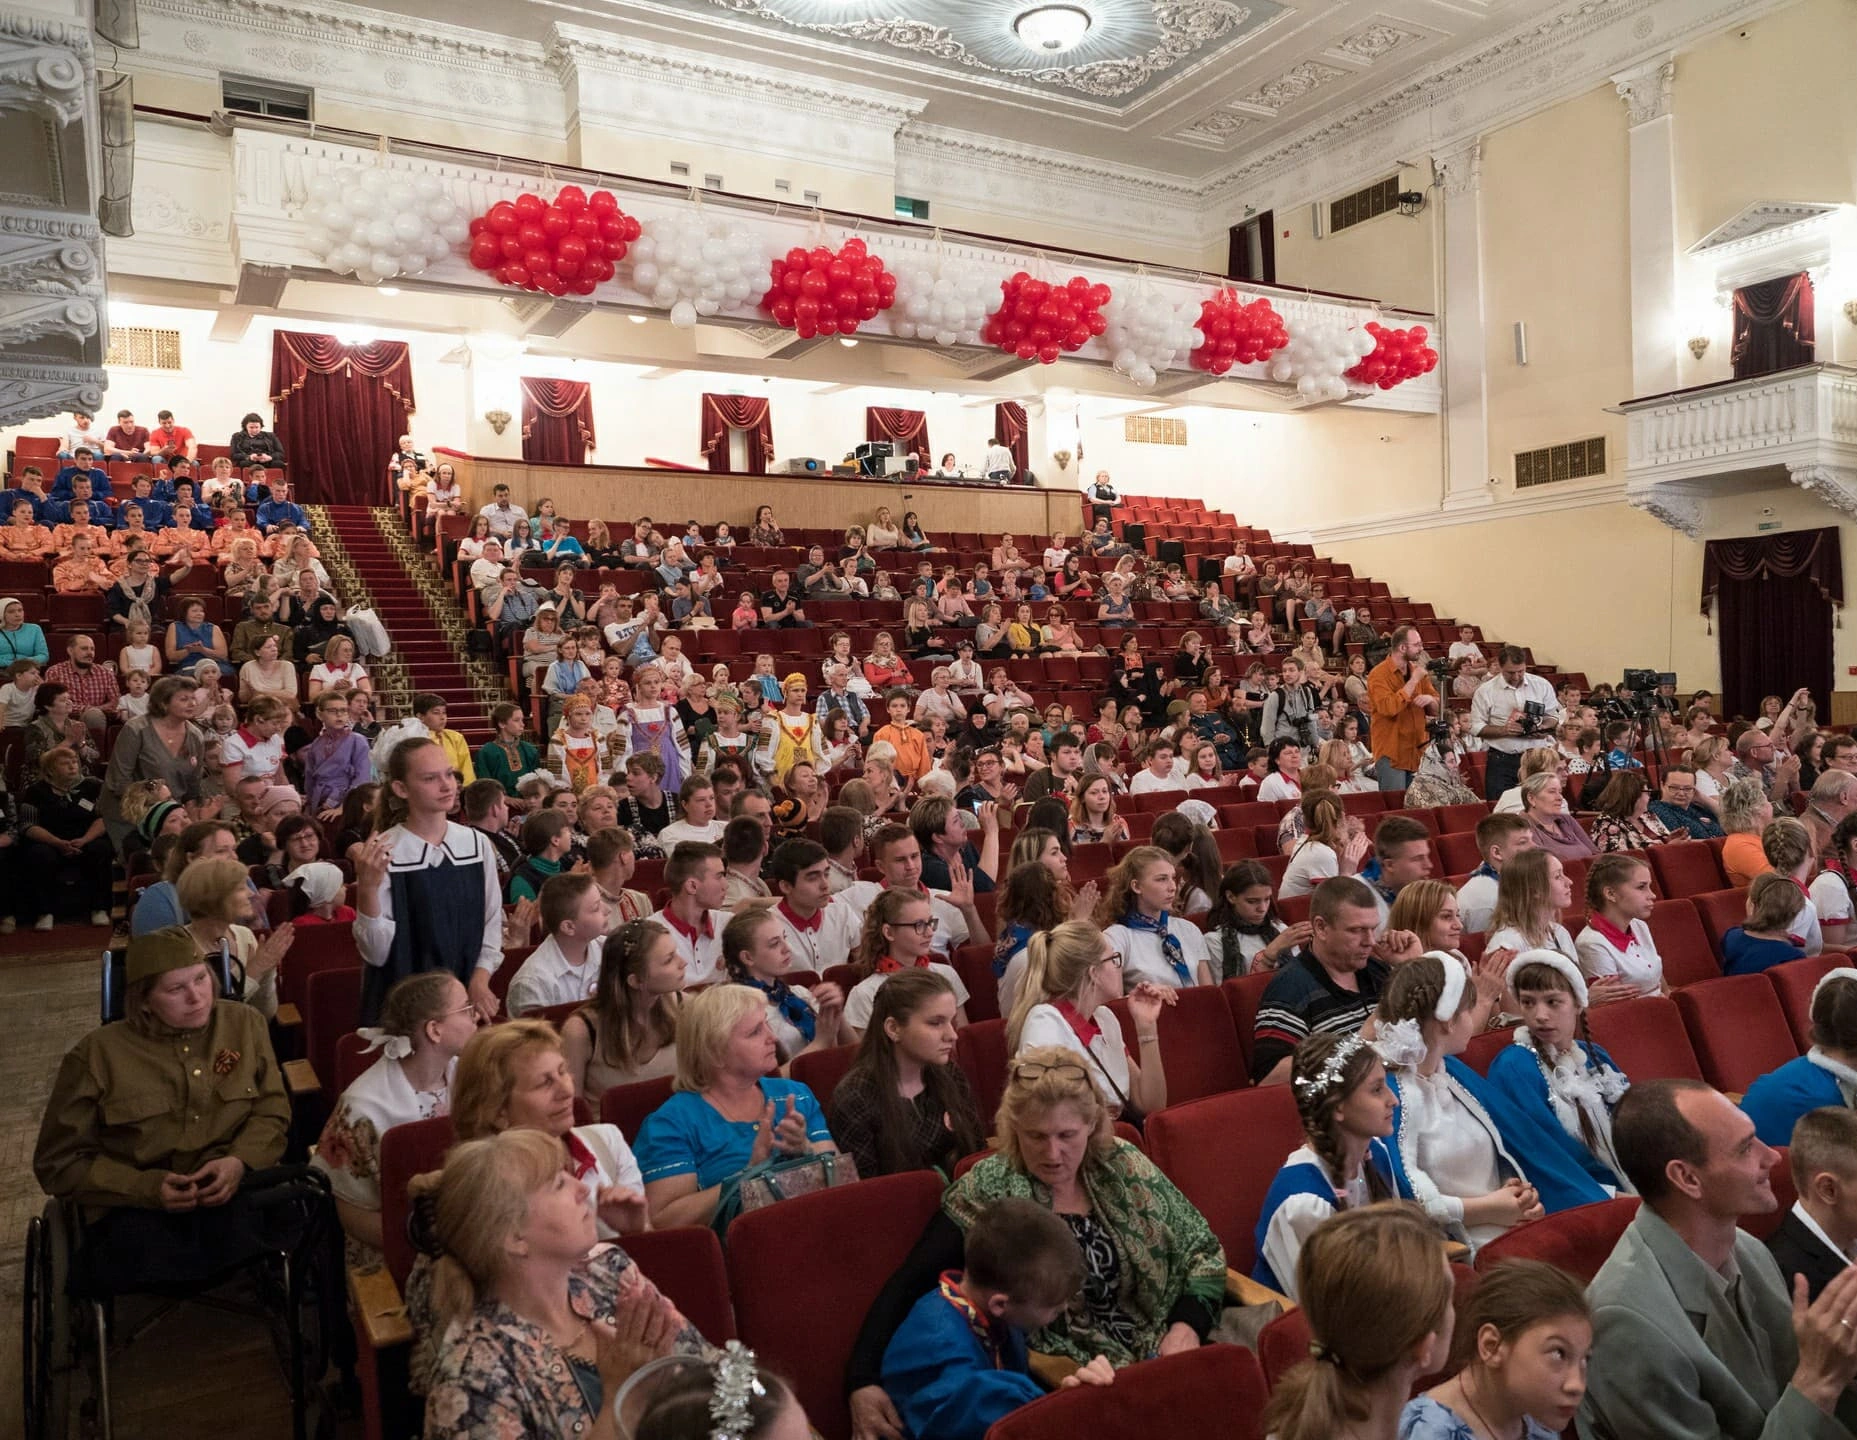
1083,1026
887,966
692,933
950,1285
579,1158
811,923
1620,939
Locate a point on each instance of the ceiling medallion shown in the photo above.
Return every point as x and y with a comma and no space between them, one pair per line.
1052,29
1122,45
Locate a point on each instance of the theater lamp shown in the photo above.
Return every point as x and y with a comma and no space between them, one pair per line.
1699,346
499,420
1052,29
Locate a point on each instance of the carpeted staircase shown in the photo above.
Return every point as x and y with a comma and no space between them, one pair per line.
424,624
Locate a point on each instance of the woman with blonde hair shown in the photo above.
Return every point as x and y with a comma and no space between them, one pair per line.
1376,1291
216,896
1338,755
1335,844
1135,915
530,1307
729,1114
1556,831
1542,760
1093,817
1532,893
1071,975
1745,811
1713,758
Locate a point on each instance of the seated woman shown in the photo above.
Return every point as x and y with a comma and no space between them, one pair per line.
1615,951
883,533
527,1303
1542,760
1155,1272
884,668
425,1023
764,531
899,934
1771,933
268,673
217,897
1745,810
1531,894
1346,1108
904,1104
141,1145
1071,583
628,1031
1071,975
1093,817
755,954
1554,1075
1378,1306
913,537
1335,843
728,1114
67,851
1825,1076
1625,821
191,637
339,667
320,626
1556,831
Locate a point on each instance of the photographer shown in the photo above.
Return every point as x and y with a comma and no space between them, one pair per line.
1511,712
1401,699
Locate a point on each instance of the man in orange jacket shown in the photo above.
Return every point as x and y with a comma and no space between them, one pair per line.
1400,699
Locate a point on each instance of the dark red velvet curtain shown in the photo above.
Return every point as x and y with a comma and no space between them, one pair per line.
723,413
1009,425
340,411
557,421
1773,327
1775,597
908,426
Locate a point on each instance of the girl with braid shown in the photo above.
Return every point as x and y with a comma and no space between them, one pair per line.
1339,1082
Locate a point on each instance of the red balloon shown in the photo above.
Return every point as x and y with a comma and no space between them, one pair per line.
583,285
633,228
602,202
1026,350
601,270
570,247
567,269
514,275
478,225
586,225
553,284
486,254
538,261
502,218
512,247
612,229
1048,354
572,199
529,207
782,309
556,222
533,237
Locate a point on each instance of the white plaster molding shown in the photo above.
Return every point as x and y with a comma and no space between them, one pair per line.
1673,503
1767,240
27,319
1460,171
1835,485
1548,499
32,390
1646,89
1656,345
42,250
1798,418
45,64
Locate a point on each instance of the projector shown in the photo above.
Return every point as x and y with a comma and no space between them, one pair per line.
801,465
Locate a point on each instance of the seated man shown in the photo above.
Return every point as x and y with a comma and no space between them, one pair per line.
126,440
1330,988
279,508
83,466
82,497
1817,1238
159,1118
1676,805
1694,1331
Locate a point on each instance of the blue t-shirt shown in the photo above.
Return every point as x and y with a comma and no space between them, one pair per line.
1425,1419
1742,954
686,1134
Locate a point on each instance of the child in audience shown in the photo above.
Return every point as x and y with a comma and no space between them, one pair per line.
137,653
1498,838
1615,950
1346,1108
899,935
16,696
1791,851
132,704
1244,931
1133,913
755,954
1826,1075
958,1364
1521,1344
746,614
1531,894
725,538
911,745
1770,935
1554,1074
765,682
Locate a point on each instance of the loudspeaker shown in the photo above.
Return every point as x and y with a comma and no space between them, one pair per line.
1211,568
1170,552
1135,534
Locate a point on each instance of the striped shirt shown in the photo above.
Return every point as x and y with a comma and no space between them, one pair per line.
1304,1000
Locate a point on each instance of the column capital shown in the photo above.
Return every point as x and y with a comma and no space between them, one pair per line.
1459,170
1645,89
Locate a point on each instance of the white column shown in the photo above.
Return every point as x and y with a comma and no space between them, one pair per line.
1655,324
1464,351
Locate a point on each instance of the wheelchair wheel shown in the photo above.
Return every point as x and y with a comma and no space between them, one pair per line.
48,1353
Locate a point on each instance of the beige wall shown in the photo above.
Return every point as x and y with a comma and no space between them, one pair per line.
1390,258
1564,270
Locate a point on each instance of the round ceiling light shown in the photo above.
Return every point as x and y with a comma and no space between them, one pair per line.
1053,29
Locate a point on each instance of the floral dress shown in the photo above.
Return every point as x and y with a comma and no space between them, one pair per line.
348,1151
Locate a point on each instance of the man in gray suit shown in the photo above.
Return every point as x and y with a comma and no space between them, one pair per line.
1694,1337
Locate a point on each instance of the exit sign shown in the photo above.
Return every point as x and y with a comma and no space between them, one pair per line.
1768,525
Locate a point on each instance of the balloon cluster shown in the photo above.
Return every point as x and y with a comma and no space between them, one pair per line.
569,246
1238,332
1319,351
949,305
1144,331
374,225
822,291
1039,321
692,266
1397,356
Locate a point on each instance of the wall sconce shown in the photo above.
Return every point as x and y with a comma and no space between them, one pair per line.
1699,346
499,420
1850,311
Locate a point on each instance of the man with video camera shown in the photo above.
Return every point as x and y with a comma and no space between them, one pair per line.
1510,712
1401,699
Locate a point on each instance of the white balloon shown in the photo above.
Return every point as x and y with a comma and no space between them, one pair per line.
644,276
414,263
693,261
946,304
408,228
683,315
440,210
376,180
455,230
437,246
643,248
362,202
427,187
336,217
1146,332
323,189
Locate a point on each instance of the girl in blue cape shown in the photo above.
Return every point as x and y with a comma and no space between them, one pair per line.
1825,1075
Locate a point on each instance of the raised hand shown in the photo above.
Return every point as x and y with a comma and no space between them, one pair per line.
266,957
1084,905
960,884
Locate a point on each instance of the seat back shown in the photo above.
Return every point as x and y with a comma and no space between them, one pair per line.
974,964
352,1056
1794,982
1686,867
331,1007
824,1256
315,949
1763,1224
1199,1046
406,1151
686,1264
1720,911
1646,1038
1737,1028
821,1070
1214,1390
980,1051
627,1105
1577,1240
1682,943
1191,1144
1485,1046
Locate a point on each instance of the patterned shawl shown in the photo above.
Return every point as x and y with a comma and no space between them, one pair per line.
1165,1247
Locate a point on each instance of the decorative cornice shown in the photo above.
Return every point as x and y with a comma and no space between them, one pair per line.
29,317
32,390
1460,171
357,26
1646,90
1675,504
1836,485
41,249
45,64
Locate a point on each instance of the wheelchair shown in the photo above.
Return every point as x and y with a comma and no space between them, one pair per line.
70,1329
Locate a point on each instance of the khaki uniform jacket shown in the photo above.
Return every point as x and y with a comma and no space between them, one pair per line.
248,635
128,1108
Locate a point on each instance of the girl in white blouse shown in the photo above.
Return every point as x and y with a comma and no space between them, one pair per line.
755,954
1335,845
1615,950
1134,914
1531,893
1071,974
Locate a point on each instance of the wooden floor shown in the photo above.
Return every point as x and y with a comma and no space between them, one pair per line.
197,1373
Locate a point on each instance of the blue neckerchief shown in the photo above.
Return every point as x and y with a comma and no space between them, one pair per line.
797,1012
1485,869
1170,946
1014,938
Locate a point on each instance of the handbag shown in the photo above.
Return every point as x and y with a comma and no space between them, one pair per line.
759,1186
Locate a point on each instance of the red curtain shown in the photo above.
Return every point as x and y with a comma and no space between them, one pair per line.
1009,425
1775,597
557,421
723,413
908,426
1773,327
340,411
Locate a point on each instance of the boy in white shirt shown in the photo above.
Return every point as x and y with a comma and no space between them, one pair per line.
696,799
565,967
694,915
16,696
1499,839
820,930
898,855
1159,772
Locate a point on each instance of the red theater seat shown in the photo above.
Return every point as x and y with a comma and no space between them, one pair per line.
1676,930
1645,1038
1686,867
1737,1028
1214,1390
1577,1240
1192,1145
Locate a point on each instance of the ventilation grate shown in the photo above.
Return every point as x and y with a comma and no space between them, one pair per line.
1153,430
1576,460
1376,200
141,347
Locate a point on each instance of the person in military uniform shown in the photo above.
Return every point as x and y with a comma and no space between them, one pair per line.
156,1120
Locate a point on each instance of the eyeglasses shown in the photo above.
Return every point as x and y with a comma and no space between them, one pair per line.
1115,958
1037,1070
921,927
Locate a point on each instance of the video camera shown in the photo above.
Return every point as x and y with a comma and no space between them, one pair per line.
1638,695
1531,716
